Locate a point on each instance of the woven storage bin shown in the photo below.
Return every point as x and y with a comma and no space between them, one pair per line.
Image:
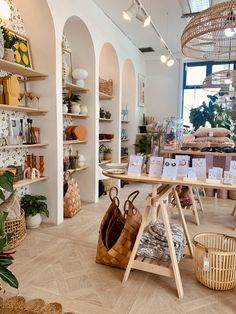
118,255
232,195
223,194
18,228
72,202
210,192
221,253
106,86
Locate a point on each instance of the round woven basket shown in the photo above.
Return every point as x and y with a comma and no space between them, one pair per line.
223,194
215,260
210,192
232,195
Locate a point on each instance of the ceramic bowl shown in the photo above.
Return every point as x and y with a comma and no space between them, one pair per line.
113,165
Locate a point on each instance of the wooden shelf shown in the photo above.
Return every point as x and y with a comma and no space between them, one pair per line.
75,88
124,157
23,146
30,111
105,162
104,96
76,116
77,169
25,182
104,141
124,121
21,70
74,142
125,140
105,120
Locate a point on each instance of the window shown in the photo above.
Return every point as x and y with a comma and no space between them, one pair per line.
193,76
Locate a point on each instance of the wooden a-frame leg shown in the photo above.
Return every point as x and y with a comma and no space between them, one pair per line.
181,214
234,210
199,199
194,205
174,262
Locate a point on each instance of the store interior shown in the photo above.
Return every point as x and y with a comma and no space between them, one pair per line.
117,156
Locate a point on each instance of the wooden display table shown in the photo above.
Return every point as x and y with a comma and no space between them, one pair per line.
161,189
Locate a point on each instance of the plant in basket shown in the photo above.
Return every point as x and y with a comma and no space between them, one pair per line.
9,41
107,153
34,206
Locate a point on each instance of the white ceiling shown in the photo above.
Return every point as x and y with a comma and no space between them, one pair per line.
165,14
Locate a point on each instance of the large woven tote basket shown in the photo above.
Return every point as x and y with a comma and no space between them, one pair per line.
118,255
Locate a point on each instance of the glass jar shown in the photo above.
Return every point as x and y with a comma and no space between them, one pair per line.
172,133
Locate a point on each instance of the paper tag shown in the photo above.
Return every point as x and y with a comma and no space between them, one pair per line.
170,168
200,165
155,168
135,165
206,264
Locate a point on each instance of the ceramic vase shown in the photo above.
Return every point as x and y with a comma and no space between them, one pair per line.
65,108
83,109
80,83
33,221
75,107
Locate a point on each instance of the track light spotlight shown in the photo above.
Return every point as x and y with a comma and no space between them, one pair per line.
142,17
163,58
170,62
129,13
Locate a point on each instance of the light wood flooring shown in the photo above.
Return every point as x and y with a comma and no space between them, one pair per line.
57,263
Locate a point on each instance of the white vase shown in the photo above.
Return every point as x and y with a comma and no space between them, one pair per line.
83,109
80,83
80,74
82,161
75,108
65,108
33,221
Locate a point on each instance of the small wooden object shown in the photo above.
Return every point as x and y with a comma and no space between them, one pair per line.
11,90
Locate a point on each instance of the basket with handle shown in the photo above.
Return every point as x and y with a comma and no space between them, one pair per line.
215,260
122,228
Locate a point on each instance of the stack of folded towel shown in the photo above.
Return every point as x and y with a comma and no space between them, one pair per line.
153,243
215,136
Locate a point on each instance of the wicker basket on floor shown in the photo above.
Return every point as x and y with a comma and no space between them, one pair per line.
217,252
210,192
232,195
18,228
223,194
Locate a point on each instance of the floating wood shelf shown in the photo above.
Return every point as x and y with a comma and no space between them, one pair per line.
77,169
23,146
75,88
105,120
105,162
124,121
76,116
104,96
28,110
104,141
25,182
124,157
21,70
74,142
124,140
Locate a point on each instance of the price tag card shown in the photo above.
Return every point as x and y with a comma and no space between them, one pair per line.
156,164
191,175
212,176
233,168
170,169
228,178
219,172
135,165
183,164
200,165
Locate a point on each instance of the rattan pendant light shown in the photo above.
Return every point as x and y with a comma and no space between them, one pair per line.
211,34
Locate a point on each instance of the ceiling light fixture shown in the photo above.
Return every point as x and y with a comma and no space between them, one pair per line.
163,58
143,17
129,13
170,62
5,11
222,80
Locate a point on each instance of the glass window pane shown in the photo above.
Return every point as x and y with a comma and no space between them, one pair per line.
222,67
195,75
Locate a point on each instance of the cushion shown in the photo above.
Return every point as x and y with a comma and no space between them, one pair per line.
12,207
204,132
214,139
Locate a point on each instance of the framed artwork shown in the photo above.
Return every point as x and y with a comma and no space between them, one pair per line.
22,51
141,90
66,66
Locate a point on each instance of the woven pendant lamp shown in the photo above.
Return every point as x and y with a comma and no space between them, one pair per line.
211,34
221,81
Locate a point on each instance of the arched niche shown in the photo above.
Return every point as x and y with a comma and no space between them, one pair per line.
128,100
109,69
83,56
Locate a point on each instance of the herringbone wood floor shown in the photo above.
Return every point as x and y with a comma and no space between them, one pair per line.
57,263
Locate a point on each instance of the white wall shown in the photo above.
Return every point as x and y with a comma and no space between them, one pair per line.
163,88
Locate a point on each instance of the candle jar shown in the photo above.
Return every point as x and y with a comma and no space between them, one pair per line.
173,133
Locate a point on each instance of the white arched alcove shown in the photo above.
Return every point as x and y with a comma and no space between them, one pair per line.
83,56
109,69
128,100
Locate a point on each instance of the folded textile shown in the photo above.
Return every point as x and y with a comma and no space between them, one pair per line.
153,243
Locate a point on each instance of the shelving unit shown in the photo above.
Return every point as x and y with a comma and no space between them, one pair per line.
103,96
105,120
23,146
74,142
104,162
76,116
25,182
28,110
77,169
125,140
105,141
124,121
75,88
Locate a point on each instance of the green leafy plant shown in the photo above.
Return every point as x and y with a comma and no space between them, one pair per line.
68,99
107,150
102,113
6,183
107,115
212,112
9,39
102,148
34,204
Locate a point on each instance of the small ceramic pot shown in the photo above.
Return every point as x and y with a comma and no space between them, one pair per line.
80,83
9,55
75,107
83,109
80,74
33,221
107,156
65,108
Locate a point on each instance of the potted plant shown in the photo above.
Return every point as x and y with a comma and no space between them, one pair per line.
102,113
107,115
9,42
101,152
107,153
72,103
34,206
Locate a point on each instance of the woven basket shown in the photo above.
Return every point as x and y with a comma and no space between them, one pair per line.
223,194
118,255
72,202
232,195
106,86
209,192
220,252
18,228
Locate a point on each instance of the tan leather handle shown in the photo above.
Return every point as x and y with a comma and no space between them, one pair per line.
114,198
133,195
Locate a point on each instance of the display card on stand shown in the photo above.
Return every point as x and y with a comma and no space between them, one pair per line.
183,164
228,178
191,175
135,165
219,171
212,176
200,165
170,169
156,164
233,168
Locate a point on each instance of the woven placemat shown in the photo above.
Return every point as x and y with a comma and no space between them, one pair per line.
18,305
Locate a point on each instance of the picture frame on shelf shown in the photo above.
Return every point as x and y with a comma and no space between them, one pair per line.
141,90
66,66
22,50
